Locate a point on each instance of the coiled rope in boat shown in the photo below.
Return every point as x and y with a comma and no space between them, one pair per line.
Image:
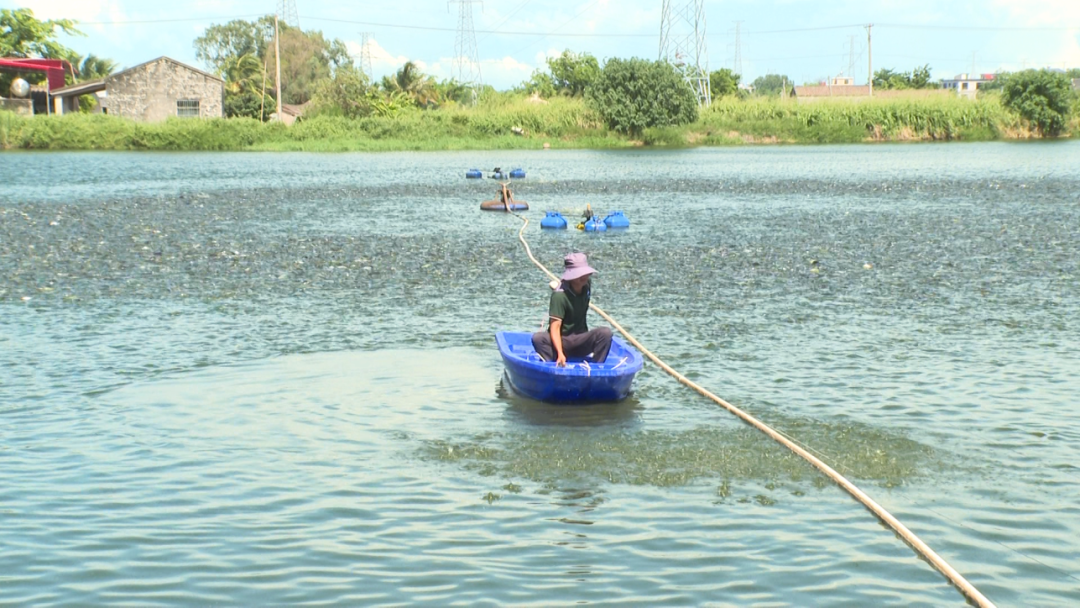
909,537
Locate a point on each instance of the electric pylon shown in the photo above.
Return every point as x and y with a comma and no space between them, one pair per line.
365,55
466,57
682,44
851,57
737,64
287,12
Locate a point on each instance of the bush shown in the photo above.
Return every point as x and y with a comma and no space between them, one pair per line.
632,95
1041,97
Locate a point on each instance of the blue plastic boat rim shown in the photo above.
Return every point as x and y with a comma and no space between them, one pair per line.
612,367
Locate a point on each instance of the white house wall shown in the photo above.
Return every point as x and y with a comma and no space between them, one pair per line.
148,93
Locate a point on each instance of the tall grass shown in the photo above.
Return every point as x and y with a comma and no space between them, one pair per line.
834,121
504,122
561,122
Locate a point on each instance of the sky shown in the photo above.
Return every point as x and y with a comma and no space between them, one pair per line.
806,40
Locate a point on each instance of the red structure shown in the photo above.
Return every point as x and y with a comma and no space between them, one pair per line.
54,68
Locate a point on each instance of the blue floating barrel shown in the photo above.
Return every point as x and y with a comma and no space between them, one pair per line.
616,219
595,224
553,219
498,175
474,174
517,174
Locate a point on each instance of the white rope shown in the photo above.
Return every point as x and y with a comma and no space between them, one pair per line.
909,537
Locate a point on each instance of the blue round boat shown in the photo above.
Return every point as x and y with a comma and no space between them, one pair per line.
581,381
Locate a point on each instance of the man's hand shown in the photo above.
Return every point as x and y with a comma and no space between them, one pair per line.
556,341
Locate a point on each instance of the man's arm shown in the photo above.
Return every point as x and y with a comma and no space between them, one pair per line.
555,330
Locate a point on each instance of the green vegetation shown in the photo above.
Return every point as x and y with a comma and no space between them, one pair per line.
568,74
242,53
635,94
23,35
562,122
919,78
1041,97
839,121
574,103
770,85
723,82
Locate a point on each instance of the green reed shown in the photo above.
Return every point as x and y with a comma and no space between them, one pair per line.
507,122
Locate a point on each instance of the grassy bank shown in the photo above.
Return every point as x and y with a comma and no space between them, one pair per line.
839,121
562,123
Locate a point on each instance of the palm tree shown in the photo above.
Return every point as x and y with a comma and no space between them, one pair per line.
414,83
244,75
245,86
92,67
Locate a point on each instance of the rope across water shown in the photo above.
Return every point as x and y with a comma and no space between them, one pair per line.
909,537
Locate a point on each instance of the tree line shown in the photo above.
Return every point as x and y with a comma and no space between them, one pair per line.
631,95
24,36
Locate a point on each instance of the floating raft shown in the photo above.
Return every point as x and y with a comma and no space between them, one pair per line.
501,206
580,382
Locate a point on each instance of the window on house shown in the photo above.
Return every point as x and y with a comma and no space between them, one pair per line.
187,108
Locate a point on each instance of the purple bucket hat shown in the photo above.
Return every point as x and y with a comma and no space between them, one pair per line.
575,265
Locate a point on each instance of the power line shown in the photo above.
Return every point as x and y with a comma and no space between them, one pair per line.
510,15
588,7
975,28
182,20
910,26
532,33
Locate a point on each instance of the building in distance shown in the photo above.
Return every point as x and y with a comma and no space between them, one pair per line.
966,85
150,92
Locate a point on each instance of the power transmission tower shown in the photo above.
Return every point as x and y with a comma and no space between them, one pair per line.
851,57
736,66
365,55
286,10
466,57
870,58
682,44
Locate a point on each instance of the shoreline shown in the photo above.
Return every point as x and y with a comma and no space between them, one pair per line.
562,123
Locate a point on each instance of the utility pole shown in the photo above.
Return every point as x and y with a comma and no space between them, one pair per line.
683,44
277,56
365,55
870,59
287,12
466,56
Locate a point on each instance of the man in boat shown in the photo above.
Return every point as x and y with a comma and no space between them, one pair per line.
568,333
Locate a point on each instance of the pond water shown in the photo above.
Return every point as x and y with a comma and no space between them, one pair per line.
265,379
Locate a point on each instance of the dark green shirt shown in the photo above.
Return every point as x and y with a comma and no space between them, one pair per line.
571,309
